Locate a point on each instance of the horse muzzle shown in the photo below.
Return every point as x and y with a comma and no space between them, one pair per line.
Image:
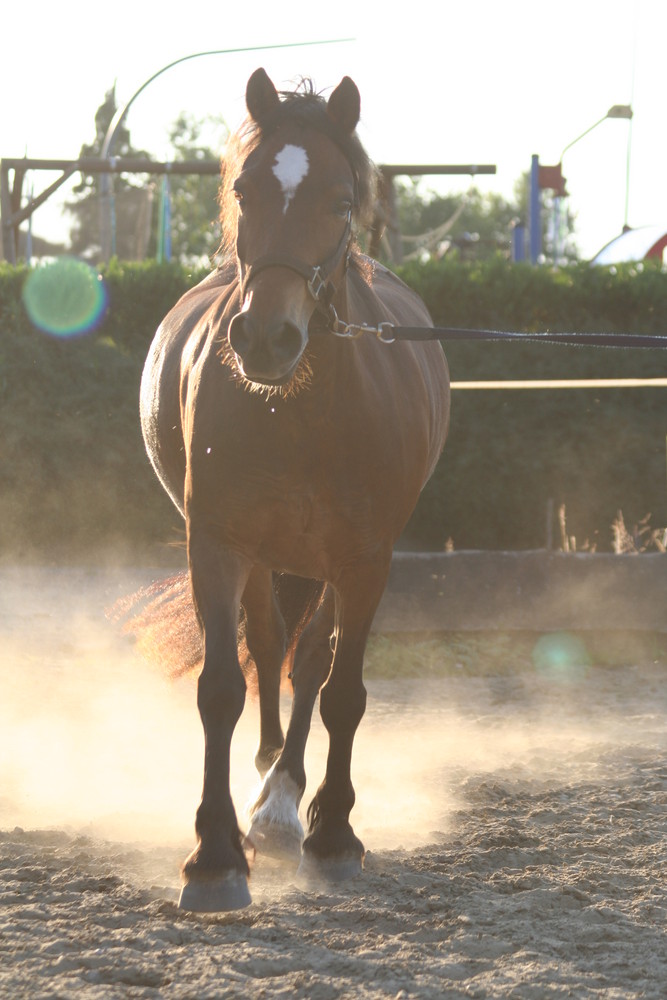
267,354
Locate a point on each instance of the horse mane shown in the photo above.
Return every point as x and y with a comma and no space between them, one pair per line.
305,107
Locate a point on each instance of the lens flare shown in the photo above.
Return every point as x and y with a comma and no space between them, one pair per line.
561,657
65,298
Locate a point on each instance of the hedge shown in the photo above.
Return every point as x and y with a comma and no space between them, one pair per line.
76,483
510,452
76,480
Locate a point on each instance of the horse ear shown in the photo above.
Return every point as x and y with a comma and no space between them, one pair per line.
261,97
344,105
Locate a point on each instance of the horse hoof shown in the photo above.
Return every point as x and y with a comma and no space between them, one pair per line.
327,871
277,842
217,895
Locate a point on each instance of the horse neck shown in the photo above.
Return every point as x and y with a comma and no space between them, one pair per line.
357,301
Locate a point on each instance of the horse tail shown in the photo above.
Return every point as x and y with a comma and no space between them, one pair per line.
161,619
298,599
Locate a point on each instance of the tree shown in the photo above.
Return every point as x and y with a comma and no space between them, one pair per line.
131,197
195,232
139,200
471,225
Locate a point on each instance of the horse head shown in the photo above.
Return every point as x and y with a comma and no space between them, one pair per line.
295,181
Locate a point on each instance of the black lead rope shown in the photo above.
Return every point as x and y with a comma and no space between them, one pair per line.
446,333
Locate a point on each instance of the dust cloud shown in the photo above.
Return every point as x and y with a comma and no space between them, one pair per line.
95,740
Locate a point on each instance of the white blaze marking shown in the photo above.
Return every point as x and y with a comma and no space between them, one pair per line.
290,167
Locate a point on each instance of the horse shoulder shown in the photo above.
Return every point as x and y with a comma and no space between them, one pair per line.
182,337
380,295
399,300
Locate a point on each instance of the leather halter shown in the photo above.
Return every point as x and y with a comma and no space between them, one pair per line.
317,276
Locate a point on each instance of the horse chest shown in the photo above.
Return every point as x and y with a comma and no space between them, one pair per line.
282,498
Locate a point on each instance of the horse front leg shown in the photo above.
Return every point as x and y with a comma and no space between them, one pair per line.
332,850
216,873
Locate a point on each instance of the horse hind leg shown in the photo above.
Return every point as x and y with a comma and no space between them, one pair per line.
276,829
265,637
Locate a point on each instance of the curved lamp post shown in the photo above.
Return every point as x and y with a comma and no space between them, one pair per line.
615,111
119,117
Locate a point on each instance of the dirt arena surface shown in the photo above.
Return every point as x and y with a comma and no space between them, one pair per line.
515,825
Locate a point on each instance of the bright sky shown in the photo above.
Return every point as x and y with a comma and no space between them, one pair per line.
481,82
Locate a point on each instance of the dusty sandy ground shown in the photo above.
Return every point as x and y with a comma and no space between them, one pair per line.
516,830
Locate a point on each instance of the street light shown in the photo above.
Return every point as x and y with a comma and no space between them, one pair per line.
623,111
615,111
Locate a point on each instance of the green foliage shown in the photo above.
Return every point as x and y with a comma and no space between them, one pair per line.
76,481
195,232
122,145
138,199
510,452
478,225
131,197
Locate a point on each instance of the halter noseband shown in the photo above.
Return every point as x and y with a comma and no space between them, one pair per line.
317,276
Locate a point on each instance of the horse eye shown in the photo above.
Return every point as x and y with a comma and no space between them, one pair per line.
343,208
239,196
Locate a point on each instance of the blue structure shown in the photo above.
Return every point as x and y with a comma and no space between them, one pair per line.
519,243
535,221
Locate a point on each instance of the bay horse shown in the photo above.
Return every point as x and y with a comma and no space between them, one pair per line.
296,458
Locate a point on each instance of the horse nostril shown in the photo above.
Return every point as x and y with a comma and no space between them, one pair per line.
240,335
286,342
265,353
